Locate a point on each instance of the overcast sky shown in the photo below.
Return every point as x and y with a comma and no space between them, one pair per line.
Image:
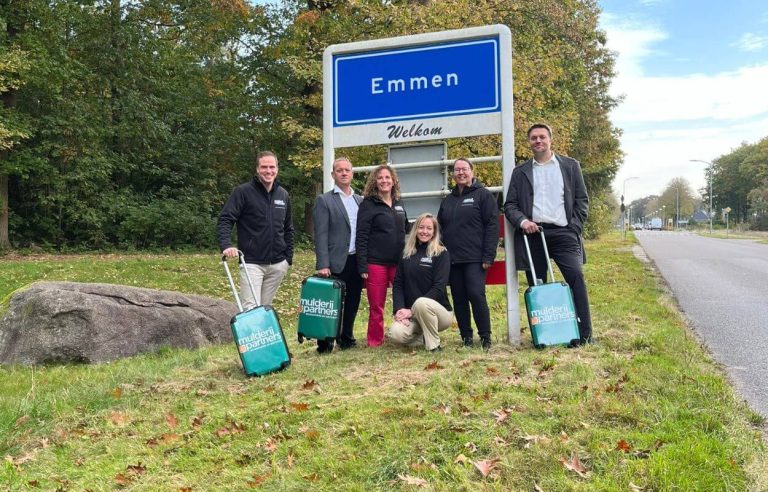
694,75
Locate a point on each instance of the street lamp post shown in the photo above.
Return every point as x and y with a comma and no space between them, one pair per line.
623,214
711,173
664,217
677,211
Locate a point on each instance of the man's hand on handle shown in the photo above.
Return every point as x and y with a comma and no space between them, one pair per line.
230,252
324,272
529,227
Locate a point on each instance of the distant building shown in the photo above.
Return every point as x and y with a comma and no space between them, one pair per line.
700,216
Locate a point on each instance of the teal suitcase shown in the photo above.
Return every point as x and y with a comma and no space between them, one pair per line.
259,338
322,306
550,309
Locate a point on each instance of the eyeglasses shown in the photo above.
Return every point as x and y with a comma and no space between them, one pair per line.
461,170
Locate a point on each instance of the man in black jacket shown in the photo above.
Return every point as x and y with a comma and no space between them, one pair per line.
261,209
548,192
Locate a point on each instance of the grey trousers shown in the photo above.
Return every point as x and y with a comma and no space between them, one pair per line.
265,278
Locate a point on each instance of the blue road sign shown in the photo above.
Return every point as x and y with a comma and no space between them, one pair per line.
425,81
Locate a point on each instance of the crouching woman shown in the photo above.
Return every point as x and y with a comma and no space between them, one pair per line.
420,302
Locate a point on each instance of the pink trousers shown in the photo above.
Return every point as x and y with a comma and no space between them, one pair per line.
380,277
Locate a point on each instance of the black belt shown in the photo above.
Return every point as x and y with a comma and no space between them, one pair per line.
545,225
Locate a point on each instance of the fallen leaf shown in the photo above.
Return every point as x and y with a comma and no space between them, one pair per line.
574,465
168,438
201,392
21,421
312,435
257,481
623,446
563,436
501,415
461,459
123,479
118,418
197,421
33,483
531,440
444,409
221,432
171,420
418,482
536,488
472,447
185,489
485,467
138,468
491,370
117,392
457,429
300,407
151,442
80,461
24,458
635,488
500,441
308,384
313,477
290,460
433,365
270,445
466,363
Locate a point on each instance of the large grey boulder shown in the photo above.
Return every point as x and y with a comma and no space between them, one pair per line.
64,322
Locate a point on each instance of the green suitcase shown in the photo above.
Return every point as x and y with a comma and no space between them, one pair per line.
322,306
257,332
551,312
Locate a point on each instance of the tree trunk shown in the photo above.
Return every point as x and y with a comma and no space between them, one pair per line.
5,242
9,102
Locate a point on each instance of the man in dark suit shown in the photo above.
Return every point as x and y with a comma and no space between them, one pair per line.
335,220
548,192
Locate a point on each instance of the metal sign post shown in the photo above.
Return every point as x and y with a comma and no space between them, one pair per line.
419,88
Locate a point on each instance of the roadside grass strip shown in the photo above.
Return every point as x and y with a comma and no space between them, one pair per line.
645,408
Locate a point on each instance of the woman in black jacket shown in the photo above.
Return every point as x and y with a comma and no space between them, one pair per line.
379,241
469,218
419,299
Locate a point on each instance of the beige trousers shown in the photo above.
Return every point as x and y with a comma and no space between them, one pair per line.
428,318
266,279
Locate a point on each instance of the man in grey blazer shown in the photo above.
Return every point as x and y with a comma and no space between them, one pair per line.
548,191
335,221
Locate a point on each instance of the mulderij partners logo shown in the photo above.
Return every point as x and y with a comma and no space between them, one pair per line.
319,308
258,340
552,314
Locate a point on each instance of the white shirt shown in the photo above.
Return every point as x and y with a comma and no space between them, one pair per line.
350,204
548,193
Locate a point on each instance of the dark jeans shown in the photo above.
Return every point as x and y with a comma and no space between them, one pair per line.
467,281
354,287
564,247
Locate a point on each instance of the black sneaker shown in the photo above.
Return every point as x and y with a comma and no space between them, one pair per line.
437,349
468,342
486,343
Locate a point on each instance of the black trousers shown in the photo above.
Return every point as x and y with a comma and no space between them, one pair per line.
354,287
564,247
467,281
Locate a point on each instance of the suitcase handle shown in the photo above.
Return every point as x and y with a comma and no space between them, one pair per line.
241,263
546,254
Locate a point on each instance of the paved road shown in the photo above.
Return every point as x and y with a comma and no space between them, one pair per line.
722,286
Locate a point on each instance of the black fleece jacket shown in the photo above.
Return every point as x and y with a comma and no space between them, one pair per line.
264,224
420,275
469,224
380,235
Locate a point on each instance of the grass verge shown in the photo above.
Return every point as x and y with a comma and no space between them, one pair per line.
644,409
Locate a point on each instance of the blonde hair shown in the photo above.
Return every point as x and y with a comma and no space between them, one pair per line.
372,190
434,248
